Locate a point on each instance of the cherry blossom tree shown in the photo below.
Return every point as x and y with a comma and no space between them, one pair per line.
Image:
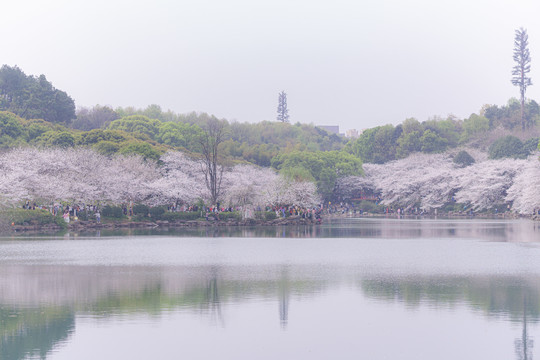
81,175
350,186
129,179
422,180
33,174
485,184
244,185
180,182
303,194
288,192
525,190
74,175
431,181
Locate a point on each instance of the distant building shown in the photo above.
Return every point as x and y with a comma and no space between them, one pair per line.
352,133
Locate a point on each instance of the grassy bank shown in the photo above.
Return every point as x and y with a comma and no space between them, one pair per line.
25,217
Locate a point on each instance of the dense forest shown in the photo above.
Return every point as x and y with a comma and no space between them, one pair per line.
34,113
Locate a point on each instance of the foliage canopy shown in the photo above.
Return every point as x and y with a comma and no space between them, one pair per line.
33,97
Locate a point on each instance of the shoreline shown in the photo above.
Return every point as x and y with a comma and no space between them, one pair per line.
500,216
87,225
293,220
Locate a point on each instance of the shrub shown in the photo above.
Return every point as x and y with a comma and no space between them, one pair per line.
140,209
112,211
32,217
463,159
369,206
230,216
156,212
139,218
59,220
531,145
62,139
107,147
173,216
507,147
452,206
143,149
265,215
82,215
270,215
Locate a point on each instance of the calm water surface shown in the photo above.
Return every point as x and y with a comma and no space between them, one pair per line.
349,289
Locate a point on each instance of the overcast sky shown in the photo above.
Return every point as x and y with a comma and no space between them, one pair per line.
356,64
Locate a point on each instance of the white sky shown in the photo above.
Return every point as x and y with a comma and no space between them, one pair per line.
356,64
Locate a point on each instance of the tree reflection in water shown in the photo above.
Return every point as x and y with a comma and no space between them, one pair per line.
31,333
213,301
284,292
45,285
525,344
517,298
36,331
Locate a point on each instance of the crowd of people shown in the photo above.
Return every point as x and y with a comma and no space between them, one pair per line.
74,212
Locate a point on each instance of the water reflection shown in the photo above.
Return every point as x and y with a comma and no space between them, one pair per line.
46,286
212,300
515,298
390,228
284,294
33,332
493,296
524,344
37,314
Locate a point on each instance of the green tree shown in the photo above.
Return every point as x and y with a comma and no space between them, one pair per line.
324,167
37,127
411,125
10,124
57,138
408,143
509,115
107,147
532,113
298,173
376,145
507,147
96,135
530,145
153,111
473,126
34,97
94,118
449,129
409,139
138,124
143,149
432,142
179,135
463,159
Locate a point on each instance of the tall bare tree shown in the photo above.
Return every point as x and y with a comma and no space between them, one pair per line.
522,58
282,111
214,134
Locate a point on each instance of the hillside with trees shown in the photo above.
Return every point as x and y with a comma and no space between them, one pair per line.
387,143
303,153
33,97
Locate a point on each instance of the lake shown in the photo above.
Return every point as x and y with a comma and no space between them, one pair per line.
368,288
